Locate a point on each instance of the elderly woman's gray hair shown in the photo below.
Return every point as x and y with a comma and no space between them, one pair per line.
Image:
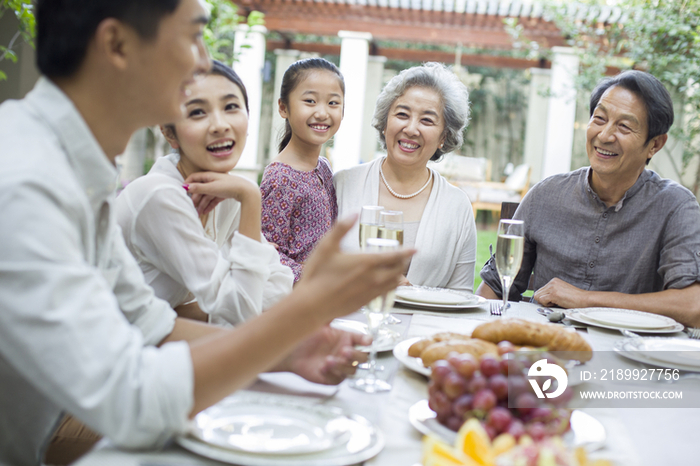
454,98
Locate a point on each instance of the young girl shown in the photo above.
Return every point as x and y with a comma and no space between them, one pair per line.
298,198
188,246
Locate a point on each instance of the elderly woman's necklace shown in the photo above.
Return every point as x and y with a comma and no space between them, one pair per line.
403,196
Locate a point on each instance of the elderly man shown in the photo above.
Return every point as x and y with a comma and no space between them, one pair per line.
613,234
80,332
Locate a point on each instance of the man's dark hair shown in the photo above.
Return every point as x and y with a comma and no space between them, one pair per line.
656,98
65,27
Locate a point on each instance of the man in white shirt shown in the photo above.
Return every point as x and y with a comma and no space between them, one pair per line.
78,326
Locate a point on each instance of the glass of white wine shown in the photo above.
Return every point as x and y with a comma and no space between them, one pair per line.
391,225
509,254
370,221
391,222
376,312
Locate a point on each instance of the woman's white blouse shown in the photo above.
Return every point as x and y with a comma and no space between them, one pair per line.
232,277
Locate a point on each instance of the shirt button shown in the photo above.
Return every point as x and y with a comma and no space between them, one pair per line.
597,239
697,253
605,215
591,264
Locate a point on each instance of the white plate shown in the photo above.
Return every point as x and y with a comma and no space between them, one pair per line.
468,300
578,317
586,431
386,339
364,441
430,296
263,424
415,364
662,352
627,318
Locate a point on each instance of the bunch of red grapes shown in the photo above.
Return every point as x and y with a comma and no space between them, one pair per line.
463,387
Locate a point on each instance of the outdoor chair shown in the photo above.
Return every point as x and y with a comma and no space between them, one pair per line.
490,195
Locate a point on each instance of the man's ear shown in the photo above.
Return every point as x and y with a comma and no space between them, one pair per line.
282,109
115,41
170,136
657,144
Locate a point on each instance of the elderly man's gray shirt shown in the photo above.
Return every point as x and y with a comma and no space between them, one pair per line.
647,242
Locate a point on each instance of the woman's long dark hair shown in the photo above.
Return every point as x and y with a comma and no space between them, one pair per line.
295,74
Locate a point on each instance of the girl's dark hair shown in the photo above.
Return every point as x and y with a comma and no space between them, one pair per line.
227,72
295,74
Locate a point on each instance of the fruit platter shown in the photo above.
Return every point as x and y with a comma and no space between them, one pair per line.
481,390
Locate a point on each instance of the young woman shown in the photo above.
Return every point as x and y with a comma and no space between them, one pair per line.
420,115
298,198
194,228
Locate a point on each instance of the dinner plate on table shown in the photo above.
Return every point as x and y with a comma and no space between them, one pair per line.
414,364
425,297
386,339
586,431
619,319
261,429
671,353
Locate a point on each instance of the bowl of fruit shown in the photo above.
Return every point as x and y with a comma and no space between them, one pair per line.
495,390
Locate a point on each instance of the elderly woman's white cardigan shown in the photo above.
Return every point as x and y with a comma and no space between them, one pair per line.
446,239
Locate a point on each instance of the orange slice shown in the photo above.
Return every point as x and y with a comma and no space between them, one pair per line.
473,440
503,443
438,453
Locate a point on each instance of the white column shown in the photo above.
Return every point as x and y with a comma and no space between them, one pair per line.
354,52
249,66
535,125
375,81
283,58
561,113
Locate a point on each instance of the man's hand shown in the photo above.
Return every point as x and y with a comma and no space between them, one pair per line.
559,293
404,281
340,282
327,356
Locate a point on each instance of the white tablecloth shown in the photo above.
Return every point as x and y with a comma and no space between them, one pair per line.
635,437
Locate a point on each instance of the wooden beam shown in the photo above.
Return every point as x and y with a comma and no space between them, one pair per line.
418,55
434,27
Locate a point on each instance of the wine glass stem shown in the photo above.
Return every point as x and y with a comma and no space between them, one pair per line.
373,353
506,291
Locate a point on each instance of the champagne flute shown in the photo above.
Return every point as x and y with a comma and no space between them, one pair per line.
370,221
376,312
509,253
391,227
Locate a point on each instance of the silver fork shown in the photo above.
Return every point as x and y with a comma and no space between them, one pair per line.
495,308
693,333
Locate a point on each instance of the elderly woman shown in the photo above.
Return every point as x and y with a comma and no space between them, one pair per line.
420,115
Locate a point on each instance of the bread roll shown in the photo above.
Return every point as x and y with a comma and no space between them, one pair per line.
527,333
441,349
416,349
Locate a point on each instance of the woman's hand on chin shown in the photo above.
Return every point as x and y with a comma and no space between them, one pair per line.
209,188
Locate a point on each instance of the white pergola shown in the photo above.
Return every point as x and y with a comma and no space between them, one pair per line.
360,24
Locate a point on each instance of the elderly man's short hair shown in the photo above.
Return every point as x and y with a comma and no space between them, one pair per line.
656,98
454,99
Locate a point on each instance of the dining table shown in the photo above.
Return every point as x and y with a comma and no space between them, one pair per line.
639,436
